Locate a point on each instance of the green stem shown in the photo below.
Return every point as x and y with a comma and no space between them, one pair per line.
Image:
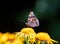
36,42
39,43
27,41
42,42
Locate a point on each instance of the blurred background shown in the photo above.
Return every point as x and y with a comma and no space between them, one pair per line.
15,13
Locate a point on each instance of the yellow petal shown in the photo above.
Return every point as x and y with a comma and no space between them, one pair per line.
54,41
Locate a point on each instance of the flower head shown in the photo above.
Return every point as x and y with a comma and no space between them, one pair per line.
4,37
42,36
0,34
11,37
27,30
17,41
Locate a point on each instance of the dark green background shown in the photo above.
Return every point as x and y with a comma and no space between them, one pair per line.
15,12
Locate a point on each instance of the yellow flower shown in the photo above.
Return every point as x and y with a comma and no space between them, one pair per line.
17,41
27,30
42,36
20,36
8,42
4,37
32,37
11,36
0,37
30,33
0,34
